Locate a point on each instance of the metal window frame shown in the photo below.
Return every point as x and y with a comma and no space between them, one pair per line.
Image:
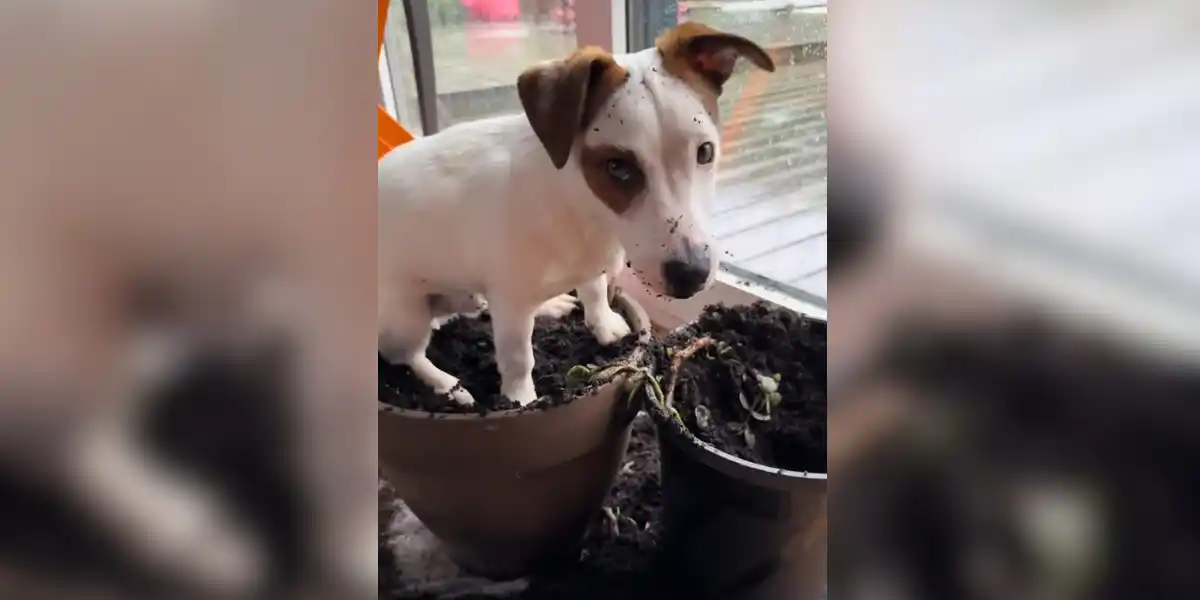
420,39
388,89
646,19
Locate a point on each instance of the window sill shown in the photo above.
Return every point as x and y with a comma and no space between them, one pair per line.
667,314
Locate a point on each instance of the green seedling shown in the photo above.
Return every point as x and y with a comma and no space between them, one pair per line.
579,374
770,388
760,409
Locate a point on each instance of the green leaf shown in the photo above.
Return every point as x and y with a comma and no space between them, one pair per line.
774,399
762,412
744,402
579,373
748,435
767,384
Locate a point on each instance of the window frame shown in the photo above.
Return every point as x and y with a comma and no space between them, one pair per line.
620,26
387,87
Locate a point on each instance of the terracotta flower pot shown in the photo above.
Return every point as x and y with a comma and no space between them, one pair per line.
510,490
734,529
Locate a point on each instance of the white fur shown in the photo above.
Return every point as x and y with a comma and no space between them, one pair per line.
480,209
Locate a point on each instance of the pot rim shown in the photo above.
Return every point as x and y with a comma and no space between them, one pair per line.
723,460
687,440
639,322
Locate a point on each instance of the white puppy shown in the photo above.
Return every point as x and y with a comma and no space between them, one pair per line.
615,158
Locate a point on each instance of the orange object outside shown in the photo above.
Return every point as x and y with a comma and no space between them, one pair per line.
391,133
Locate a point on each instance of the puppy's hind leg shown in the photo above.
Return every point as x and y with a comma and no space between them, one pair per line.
405,328
601,319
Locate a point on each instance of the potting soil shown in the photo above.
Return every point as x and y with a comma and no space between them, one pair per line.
716,385
464,348
616,560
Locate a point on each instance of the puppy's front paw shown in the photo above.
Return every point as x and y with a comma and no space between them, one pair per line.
443,383
460,395
522,392
557,307
608,326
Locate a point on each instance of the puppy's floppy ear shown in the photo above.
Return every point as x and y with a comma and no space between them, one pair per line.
696,49
561,97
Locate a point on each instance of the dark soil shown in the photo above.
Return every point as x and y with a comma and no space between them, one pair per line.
611,565
764,340
464,348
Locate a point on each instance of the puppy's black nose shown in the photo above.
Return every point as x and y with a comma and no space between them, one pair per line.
686,275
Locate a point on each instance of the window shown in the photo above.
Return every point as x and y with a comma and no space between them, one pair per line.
770,217
452,61
474,50
396,71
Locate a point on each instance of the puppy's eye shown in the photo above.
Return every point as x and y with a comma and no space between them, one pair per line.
622,170
704,154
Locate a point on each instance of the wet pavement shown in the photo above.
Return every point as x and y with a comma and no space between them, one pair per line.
771,214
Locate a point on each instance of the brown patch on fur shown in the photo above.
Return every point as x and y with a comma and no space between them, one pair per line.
562,97
617,195
704,58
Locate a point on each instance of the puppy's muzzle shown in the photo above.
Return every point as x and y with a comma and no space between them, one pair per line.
687,271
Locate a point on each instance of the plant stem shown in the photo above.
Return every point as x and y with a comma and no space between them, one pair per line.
677,363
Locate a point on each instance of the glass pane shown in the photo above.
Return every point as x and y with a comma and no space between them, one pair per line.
770,215
400,63
481,46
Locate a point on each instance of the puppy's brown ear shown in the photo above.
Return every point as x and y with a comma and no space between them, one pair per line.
561,97
696,52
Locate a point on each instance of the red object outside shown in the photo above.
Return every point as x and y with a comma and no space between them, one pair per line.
493,10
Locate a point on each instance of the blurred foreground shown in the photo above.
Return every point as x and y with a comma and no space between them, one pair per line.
1013,280
187,212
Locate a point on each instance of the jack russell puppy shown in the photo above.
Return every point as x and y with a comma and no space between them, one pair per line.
613,164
